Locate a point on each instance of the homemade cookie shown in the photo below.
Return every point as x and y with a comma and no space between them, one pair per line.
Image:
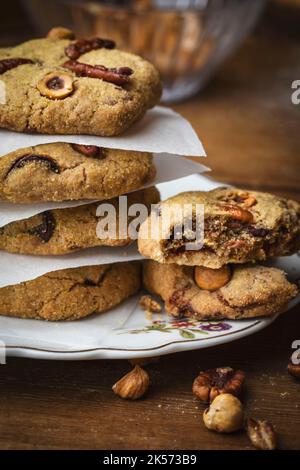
62,86
62,231
250,291
71,294
58,172
239,226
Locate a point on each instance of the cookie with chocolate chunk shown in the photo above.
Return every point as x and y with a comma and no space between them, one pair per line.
248,291
57,85
59,171
62,231
71,294
240,226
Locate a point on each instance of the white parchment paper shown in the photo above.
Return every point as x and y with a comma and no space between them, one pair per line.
167,169
16,268
161,130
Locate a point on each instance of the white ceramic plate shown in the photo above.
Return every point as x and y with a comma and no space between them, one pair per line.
125,332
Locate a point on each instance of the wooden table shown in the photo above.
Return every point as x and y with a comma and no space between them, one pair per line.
251,132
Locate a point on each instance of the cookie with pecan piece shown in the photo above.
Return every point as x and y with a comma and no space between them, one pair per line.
57,85
240,226
251,291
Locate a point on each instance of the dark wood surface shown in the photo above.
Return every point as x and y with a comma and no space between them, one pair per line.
251,132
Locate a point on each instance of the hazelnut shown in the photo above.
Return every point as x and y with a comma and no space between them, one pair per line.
238,213
133,385
225,414
211,383
212,279
56,85
60,33
149,304
261,433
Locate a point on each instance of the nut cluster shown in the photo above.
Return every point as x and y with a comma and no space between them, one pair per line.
211,383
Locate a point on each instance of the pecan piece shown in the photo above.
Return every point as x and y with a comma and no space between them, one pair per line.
213,382
60,33
56,85
76,49
30,158
89,150
261,433
8,64
45,230
118,76
212,279
238,213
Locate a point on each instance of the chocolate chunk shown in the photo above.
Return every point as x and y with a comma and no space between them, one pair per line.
258,232
29,158
89,283
45,230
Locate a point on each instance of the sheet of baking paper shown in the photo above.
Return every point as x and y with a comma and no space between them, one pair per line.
167,170
161,130
16,268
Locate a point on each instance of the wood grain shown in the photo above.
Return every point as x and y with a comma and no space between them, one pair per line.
251,133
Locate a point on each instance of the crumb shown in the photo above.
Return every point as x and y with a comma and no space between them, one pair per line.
149,304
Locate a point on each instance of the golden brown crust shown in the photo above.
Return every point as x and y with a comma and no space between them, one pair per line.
71,294
95,107
63,231
58,172
239,226
253,291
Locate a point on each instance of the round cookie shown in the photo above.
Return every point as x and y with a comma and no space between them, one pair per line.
60,171
61,86
62,231
71,294
240,226
252,291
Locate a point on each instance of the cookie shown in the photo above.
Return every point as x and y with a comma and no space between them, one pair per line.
58,172
71,294
62,86
62,231
239,226
251,291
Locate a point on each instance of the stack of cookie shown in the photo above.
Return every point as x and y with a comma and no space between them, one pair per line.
222,277
56,85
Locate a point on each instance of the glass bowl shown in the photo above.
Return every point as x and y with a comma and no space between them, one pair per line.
186,39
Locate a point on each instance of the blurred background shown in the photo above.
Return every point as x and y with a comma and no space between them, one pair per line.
186,39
